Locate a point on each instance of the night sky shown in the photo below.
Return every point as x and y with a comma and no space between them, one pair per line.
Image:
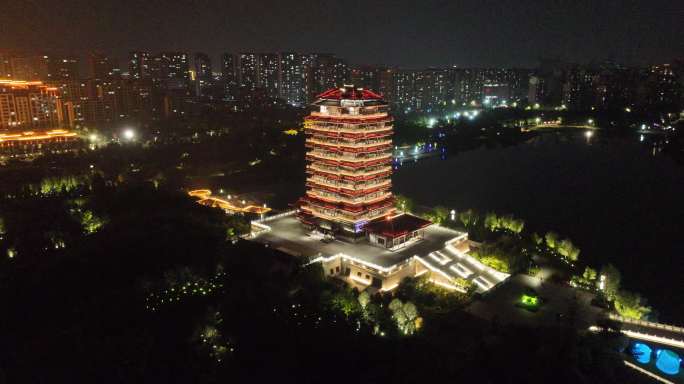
416,33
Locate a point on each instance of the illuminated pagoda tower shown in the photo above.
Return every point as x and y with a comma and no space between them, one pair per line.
349,156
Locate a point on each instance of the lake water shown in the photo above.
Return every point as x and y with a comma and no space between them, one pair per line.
619,200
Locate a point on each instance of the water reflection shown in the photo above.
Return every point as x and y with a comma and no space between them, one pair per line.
618,197
653,143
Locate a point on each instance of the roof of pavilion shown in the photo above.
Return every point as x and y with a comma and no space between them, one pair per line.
397,226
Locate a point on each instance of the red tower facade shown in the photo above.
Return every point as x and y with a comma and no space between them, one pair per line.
349,160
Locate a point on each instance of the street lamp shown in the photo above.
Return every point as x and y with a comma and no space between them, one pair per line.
129,134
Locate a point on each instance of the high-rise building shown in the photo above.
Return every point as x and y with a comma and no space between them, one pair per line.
25,68
29,104
536,90
62,68
139,65
203,74
269,74
248,71
431,89
101,101
101,67
662,88
5,67
137,99
325,71
349,155
468,85
495,94
229,76
386,84
578,89
293,78
171,70
365,76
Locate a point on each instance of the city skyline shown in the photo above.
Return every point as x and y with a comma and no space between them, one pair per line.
466,34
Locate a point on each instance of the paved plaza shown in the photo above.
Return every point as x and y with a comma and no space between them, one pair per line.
558,301
288,235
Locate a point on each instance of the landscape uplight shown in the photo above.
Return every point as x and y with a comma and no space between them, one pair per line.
529,300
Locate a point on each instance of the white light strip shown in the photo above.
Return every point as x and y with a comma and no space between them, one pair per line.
483,283
484,280
261,226
648,324
648,373
359,261
461,270
445,259
433,257
440,258
278,216
479,284
501,276
654,338
389,288
433,269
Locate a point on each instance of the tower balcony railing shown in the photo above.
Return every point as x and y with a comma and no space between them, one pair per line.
354,210
340,215
336,170
353,112
362,143
348,193
348,134
351,165
336,198
359,108
349,151
355,126
344,157
351,186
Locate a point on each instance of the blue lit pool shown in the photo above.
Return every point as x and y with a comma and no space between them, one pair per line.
641,352
668,361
